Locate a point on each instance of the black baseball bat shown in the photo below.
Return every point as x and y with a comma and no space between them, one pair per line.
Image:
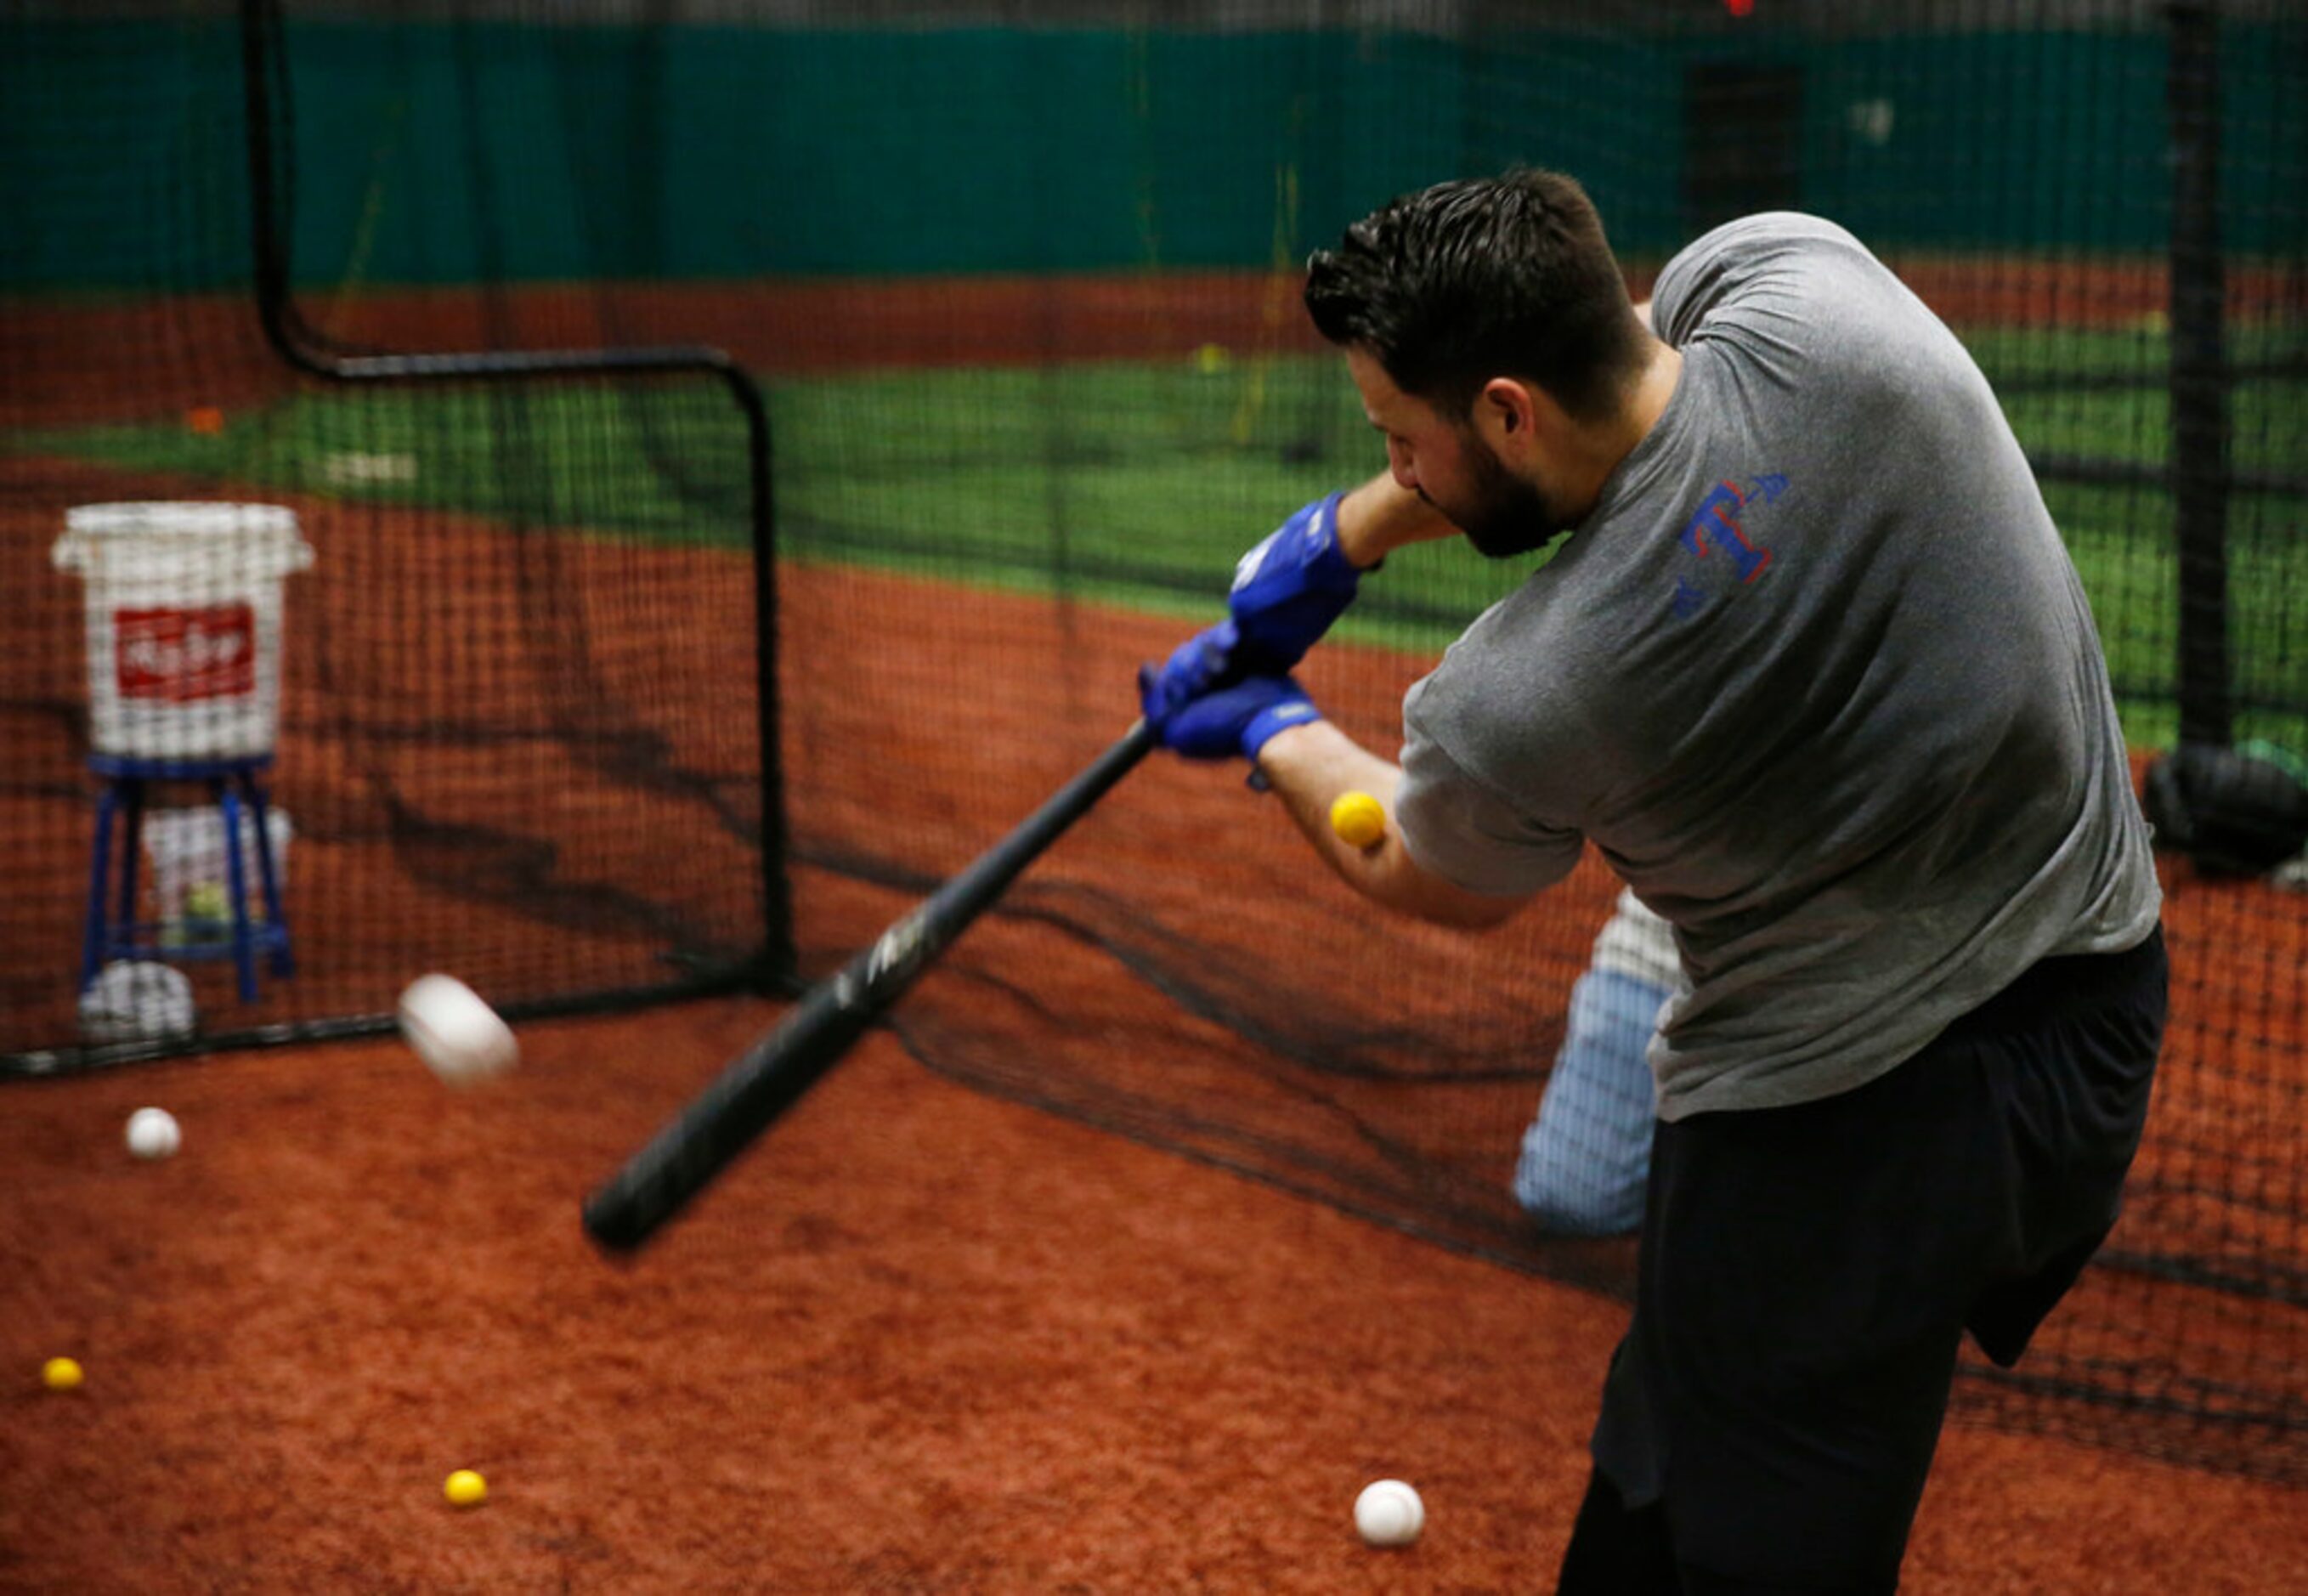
768,1078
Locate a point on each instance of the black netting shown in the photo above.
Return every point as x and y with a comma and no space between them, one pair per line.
483,295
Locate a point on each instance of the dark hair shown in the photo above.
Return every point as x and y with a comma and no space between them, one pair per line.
1485,277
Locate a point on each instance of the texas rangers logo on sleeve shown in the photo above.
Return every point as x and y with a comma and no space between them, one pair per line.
1716,531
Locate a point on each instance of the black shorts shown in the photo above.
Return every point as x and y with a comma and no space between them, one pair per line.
1808,1272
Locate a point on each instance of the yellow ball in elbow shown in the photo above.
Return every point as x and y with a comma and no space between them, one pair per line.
1358,819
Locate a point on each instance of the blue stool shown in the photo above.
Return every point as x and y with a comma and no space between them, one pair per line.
122,792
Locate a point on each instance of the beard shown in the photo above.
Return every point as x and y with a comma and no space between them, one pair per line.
1502,515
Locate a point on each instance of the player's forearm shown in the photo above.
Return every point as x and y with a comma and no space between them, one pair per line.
1309,767
1381,516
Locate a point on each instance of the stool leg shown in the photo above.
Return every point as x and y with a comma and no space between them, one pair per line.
132,844
275,920
91,952
244,950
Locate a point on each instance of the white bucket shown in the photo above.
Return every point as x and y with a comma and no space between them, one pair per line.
192,884
183,624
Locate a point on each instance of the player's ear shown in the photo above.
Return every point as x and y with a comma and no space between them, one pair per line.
1507,409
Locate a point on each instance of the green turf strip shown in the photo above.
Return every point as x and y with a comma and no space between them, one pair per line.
1141,483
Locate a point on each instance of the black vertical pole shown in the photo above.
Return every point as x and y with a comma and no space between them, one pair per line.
781,965
2199,372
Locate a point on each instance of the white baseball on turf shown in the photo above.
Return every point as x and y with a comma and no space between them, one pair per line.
1389,1512
153,1132
460,1037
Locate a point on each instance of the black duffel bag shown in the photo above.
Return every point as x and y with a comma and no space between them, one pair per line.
2232,811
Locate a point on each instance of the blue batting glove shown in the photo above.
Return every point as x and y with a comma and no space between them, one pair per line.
1196,665
1225,722
1290,587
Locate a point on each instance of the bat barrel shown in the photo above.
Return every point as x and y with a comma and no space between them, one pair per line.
753,1091
765,1081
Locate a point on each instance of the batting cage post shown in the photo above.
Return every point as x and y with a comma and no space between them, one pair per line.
311,352
2199,375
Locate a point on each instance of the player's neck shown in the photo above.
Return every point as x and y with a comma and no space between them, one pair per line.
1599,451
1653,392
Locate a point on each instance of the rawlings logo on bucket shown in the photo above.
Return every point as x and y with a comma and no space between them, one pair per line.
182,656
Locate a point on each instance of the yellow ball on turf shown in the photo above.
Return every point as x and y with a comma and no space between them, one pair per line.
1212,358
465,1488
60,1374
1358,820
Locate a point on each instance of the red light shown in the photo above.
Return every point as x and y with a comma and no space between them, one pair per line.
1740,8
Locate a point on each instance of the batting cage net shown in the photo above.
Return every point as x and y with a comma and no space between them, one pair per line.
615,498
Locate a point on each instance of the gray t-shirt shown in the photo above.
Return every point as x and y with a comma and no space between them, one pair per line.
1817,677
